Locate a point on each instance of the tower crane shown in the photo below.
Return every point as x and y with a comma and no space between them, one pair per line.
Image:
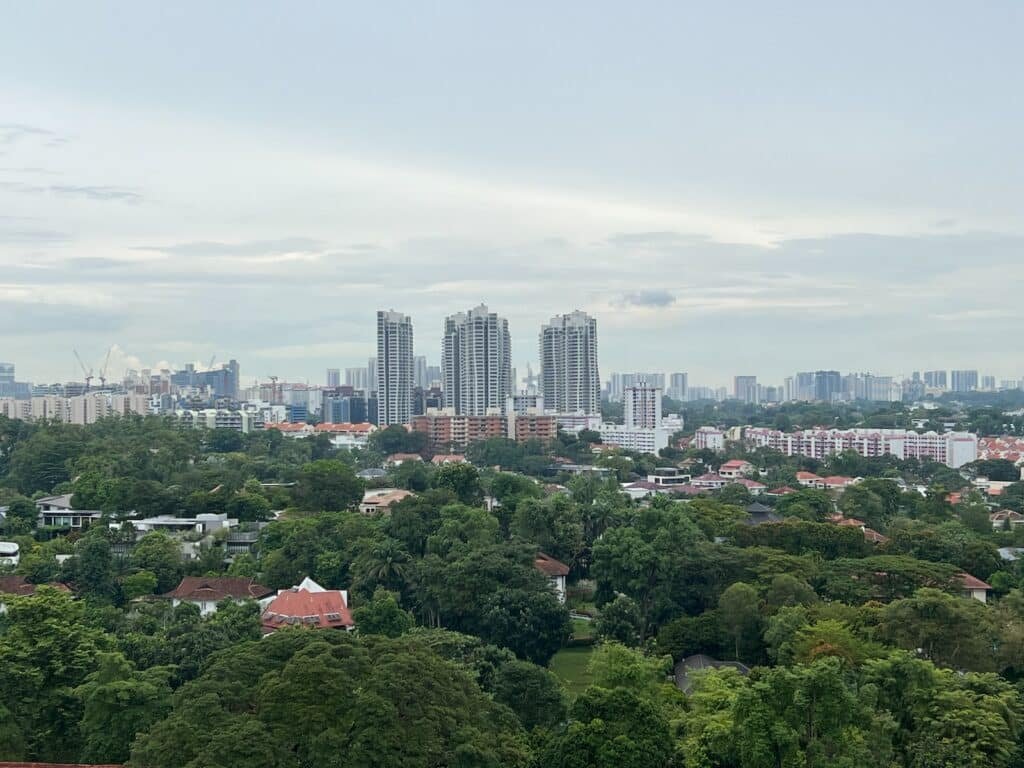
86,371
103,370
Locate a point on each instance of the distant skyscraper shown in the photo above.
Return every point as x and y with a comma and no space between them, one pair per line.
744,388
333,377
6,373
678,386
641,406
477,365
371,373
357,378
434,375
964,381
395,369
988,383
935,379
420,366
827,384
569,380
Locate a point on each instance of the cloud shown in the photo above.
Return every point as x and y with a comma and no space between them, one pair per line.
82,191
36,318
241,250
27,236
649,298
12,133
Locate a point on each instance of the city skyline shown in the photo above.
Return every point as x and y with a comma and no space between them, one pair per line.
864,221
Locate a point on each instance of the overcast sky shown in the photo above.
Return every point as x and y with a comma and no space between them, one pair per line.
728,187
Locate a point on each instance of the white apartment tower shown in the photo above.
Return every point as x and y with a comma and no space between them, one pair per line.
476,362
569,381
641,406
395,368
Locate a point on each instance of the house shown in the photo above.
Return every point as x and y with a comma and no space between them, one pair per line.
735,468
687,490
57,512
377,501
753,486
870,534
711,481
683,672
556,572
10,553
973,587
206,591
398,459
668,476
780,492
759,514
20,587
1005,518
307,605
448,458
809,480
641,489
373,473
836,482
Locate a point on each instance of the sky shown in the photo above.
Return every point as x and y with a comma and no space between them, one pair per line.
729,188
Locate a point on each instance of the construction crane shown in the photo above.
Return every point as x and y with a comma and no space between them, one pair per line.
103,370
273,390
86,371
209,365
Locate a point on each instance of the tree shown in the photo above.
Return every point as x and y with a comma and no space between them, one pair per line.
224,440
397,439
554,524
117,703
611,729
46,650
532,692
247,507
159,554
138,584
383,616
91,569
620,621
20,518
950,631
328,485
533,625
463,480
787,590
739,608
807,504
364,701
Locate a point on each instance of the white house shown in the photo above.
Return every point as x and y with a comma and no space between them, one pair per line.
555,570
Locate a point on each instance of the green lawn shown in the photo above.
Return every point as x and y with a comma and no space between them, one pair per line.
570,666
582,630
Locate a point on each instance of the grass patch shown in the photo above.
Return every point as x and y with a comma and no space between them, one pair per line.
570,666
582,630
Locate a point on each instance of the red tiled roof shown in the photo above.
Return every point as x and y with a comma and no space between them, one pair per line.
549,566
781,491
747,483
286,426
18,585
449,458
216,588
838,480
297,607
345,427
735,464
972,582
405,457
807,476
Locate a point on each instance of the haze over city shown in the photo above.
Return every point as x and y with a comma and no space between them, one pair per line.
236,179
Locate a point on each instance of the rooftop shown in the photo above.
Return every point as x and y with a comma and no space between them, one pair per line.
216,588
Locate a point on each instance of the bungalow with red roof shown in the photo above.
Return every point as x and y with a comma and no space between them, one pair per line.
448,458
378,501
710,481
753,486
974,587
809,480
19,586
836,482
736,468
398,459
781,491
555,570
307,605
1005,518
206,591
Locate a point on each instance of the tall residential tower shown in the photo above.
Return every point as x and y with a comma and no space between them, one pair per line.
395,369
476,362
569,381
